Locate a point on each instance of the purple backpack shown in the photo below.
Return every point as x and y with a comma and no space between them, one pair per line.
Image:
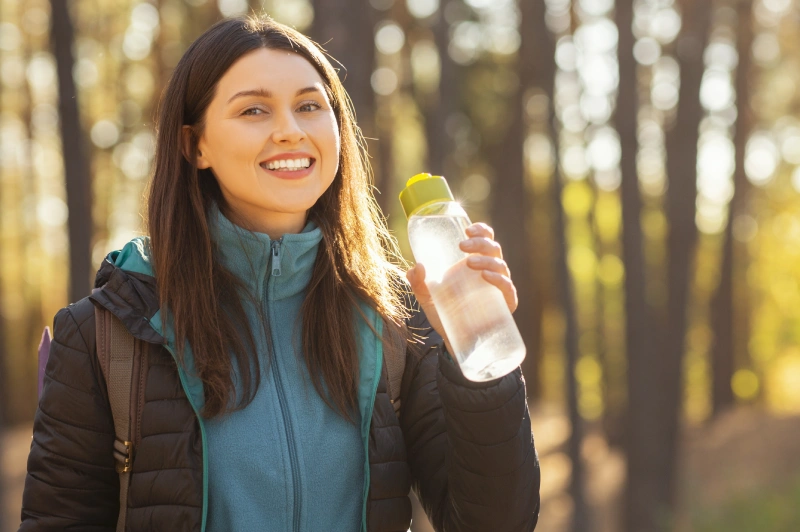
44,354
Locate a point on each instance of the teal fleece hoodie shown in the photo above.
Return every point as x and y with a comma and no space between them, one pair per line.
286,462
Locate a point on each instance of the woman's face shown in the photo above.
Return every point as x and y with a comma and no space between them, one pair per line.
271,139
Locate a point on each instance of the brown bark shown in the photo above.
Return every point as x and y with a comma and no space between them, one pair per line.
723,357
642,489
612,413
4,384
681,144
344,28
541,62
442,104
76,168
511,206
22,400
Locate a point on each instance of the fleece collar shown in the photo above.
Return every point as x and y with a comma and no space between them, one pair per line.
286,264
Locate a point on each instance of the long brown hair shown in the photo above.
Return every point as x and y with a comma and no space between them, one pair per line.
357,258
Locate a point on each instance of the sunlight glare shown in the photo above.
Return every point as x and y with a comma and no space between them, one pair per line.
596,8
596,37
104,133
422,8
721,54
710,217
425,65
566,54
715,165
604,149
390,38
599,75
42,71
232,8
144,18
51,211
573,162
646,51
10,37
596,108
761,159
790,147
716,90
796,179
384,81
665,25
766,49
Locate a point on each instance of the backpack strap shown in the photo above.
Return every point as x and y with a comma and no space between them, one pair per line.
394,358
123,363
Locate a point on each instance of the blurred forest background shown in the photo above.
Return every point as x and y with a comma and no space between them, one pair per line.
639,160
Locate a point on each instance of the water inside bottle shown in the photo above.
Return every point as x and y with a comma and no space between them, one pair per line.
434,239
473,312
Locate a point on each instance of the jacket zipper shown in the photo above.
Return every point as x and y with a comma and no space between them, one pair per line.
276,257
276,272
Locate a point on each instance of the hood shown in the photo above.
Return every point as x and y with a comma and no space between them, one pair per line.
125,286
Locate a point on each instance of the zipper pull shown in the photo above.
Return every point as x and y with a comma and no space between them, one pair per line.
276,258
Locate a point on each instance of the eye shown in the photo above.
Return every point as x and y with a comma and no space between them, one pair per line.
253,111
309,106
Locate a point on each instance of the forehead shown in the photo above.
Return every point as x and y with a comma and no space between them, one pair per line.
273,70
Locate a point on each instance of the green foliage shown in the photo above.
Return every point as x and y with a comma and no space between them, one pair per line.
773,510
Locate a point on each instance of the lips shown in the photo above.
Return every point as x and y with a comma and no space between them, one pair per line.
288,168
288,164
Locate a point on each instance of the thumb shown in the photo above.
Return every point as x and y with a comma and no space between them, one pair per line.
416,278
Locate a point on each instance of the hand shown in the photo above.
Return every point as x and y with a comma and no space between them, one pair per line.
485,256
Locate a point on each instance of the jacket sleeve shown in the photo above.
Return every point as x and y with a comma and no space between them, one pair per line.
71,482
470,445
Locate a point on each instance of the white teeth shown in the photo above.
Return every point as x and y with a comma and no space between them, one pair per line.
289,164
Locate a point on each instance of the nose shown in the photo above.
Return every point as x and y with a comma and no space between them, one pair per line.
287,130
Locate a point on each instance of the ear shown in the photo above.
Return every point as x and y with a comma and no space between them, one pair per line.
186,148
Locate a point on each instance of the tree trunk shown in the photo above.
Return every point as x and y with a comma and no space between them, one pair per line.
541,62
345,29
4,384
613,410
722,305
22,403
511,205
442,104
76,168
641,493
681,197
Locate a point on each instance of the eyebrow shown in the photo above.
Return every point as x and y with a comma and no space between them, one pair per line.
264,93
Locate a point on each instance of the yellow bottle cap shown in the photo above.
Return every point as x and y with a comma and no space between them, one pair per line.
422,190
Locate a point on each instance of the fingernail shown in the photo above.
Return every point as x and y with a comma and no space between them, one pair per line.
466,243
473,260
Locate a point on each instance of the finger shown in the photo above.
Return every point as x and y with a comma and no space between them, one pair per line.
482,246
505,285
482,262
416,278
480,229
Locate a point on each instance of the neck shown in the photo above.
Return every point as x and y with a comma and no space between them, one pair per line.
273,224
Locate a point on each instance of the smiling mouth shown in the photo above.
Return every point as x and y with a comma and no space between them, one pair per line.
288,165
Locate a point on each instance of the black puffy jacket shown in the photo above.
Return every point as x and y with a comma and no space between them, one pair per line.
465,447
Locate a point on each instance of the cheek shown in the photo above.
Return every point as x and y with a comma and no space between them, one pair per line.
230,144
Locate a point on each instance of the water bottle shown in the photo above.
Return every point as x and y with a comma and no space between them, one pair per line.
473,312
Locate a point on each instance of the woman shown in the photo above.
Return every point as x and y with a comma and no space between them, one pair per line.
263,292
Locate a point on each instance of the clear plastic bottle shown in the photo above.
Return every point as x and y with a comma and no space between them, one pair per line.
473,312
